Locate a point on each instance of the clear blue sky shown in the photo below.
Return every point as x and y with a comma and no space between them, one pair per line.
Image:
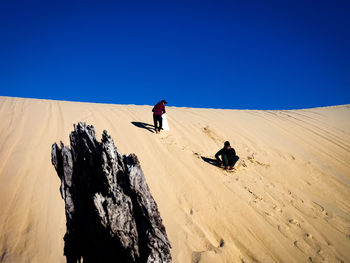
220,54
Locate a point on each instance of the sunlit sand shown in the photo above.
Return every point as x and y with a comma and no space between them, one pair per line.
288,199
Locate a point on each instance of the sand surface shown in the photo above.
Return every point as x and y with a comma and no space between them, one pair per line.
287,201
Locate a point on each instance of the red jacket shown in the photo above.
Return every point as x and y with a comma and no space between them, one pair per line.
159,109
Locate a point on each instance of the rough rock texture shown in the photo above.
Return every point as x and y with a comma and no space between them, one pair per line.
111,215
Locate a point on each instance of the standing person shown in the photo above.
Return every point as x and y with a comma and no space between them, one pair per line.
158,110
228,156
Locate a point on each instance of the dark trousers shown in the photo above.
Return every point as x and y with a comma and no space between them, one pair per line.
229,161
157,120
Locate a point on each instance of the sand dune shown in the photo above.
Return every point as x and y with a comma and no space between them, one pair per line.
287,201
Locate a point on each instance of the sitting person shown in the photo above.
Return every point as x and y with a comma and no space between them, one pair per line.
228,156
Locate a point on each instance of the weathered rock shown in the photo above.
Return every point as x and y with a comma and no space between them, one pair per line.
110,212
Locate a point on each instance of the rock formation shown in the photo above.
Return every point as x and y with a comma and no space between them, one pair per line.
110,212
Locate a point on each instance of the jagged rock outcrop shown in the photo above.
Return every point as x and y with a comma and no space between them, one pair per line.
111,215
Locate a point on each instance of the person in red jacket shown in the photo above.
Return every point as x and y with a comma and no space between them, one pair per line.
158,110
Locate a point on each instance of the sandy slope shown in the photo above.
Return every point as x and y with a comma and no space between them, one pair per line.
288,200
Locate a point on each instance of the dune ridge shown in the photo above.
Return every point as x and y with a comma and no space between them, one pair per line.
287,201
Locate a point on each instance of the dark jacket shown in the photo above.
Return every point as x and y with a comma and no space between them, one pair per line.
230,153
159,109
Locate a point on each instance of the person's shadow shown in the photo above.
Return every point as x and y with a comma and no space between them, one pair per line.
144,125
210,161
215,162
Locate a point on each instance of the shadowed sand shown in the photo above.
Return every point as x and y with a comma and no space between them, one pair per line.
288,199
